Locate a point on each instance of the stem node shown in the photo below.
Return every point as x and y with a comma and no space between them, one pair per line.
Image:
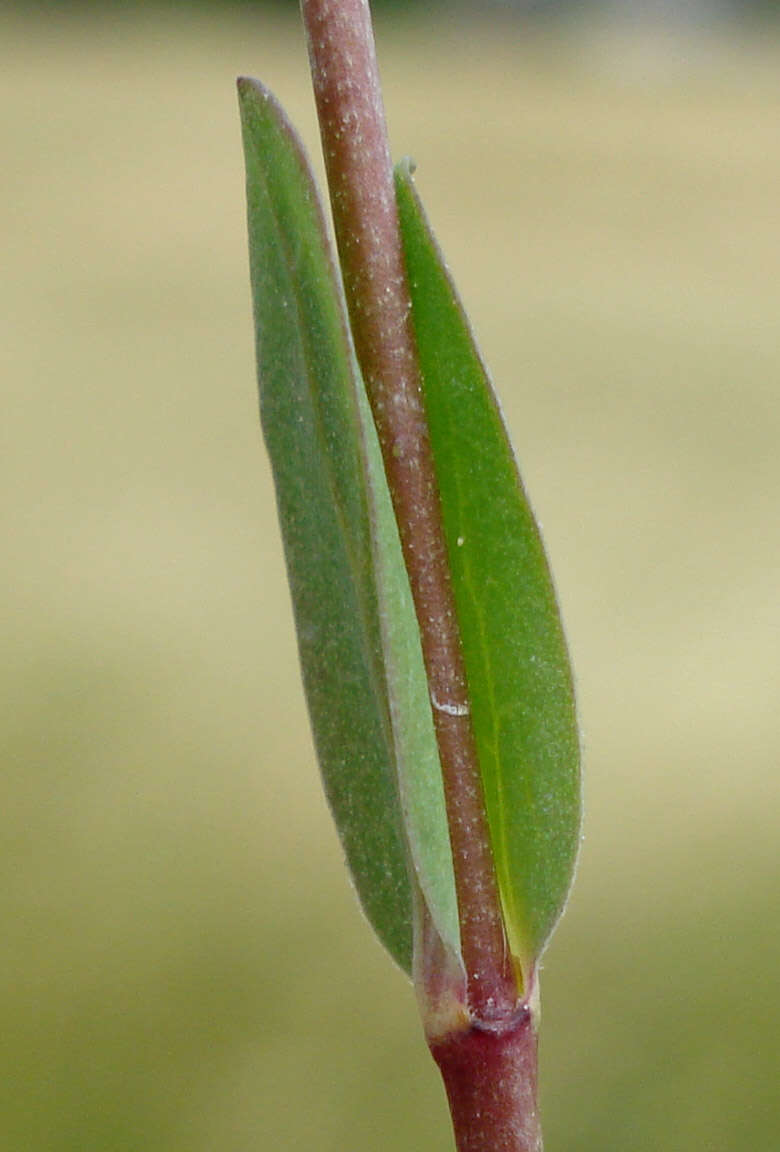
489,1073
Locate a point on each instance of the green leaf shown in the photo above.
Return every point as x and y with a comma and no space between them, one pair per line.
424,814
517,666
357,635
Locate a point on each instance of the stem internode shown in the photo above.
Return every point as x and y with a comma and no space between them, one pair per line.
357,160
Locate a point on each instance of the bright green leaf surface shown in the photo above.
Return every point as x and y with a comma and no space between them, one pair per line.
416,751
516,660
357,637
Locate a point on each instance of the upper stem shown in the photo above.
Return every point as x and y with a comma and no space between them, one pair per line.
357,160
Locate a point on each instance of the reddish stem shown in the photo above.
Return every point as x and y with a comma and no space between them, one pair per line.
490,1077
357,159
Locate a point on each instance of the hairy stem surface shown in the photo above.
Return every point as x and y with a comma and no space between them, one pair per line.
490,1077
357,159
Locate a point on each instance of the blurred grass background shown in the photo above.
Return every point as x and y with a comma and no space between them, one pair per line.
183,964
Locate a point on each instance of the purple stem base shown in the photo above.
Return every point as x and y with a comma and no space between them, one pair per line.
490,1075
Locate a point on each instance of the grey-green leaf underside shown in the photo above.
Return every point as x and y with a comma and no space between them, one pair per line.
357,635
517,666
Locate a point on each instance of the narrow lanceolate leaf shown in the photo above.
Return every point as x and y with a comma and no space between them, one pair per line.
357,636
519,680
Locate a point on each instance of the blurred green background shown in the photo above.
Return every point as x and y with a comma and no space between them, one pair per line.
183,963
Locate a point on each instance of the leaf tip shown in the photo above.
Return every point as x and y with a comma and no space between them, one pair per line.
246,86
405,169
253,92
